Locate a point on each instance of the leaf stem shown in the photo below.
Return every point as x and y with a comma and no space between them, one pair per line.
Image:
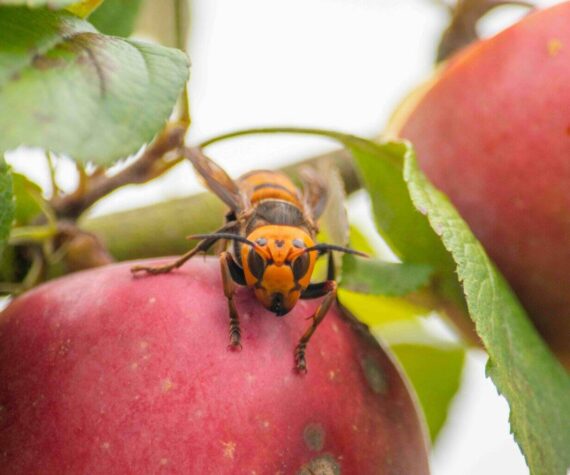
278,130
35,234
55,190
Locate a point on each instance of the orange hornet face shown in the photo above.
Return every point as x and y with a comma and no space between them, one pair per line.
278,268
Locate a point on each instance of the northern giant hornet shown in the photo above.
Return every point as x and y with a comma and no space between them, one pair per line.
272,226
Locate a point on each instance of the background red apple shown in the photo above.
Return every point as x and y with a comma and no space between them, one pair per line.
104,373
493,132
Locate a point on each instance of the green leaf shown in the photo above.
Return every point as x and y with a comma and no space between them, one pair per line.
84,8
6,203
66,88
51,4
377,310
404,229
116,17
28,197
435,373
373,276
402,225
81,8
520,364
359,241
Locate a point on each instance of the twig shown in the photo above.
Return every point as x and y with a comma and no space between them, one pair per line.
462,29
149,165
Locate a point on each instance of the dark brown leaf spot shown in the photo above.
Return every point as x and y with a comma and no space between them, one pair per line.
314,436
43,62
321,465
88,47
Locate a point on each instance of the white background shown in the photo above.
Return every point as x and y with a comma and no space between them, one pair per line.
334,64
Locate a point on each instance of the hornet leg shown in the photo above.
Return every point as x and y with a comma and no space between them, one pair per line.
232,273
202,246
328,289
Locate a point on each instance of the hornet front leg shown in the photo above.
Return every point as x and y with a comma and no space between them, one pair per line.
232,274
313,291
202,246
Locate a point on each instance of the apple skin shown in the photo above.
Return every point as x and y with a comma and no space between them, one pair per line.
493,132
105,373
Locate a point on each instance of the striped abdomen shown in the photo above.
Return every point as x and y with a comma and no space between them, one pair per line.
269,185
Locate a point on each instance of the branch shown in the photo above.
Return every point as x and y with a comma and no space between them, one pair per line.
149,165
462,29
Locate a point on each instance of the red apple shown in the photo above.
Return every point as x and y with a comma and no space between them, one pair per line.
493,132
104,373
